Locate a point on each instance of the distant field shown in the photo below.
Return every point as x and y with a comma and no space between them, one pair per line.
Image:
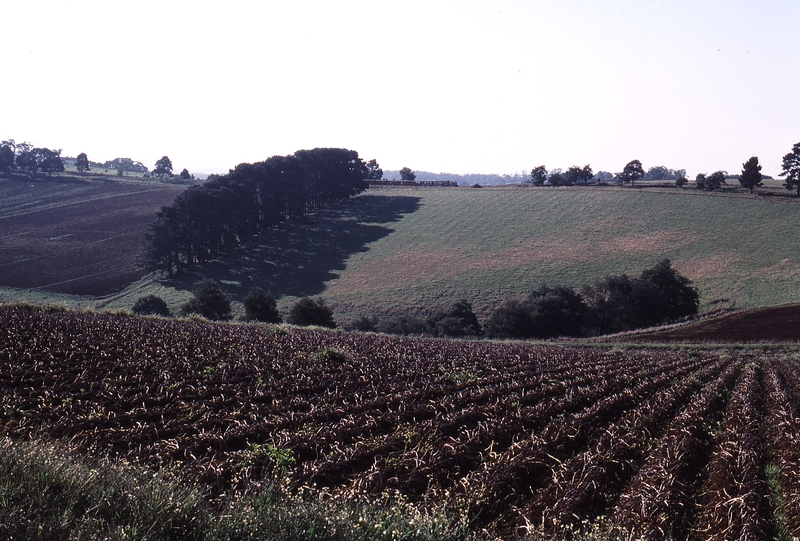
403,249
74,236
488,244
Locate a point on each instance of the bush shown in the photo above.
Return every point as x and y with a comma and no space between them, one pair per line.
151,305
307,311
555,312
512,319
260,306
459,321
404,325
209,301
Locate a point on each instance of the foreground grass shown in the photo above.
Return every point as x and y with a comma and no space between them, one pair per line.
46,494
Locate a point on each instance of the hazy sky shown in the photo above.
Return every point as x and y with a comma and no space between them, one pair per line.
445,86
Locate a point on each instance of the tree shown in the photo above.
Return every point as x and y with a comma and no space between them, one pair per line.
6,158
662,295
632,172
512,319
123,165
260,306
163,167
558,311
751,174
538,175
209,301
610,305
578,175
791,169
185,174
681,180
407,174
151,305
710,182
308,311
374,171
458,321
50,161
82,163
557,178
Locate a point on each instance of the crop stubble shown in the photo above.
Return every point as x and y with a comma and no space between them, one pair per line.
520,437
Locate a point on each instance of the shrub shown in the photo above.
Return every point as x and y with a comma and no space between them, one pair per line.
260,306
209,301
151,305
404,325
512,319
458,321
307,311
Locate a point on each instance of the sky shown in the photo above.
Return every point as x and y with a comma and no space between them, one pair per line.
456,86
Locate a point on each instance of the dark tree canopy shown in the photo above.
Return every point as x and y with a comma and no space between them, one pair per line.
82,162
458,321
49,161
751,174
308,311
125,165
632,172
578,175
617,303
211,219
512,319
185,175
260,306
209,301
538,175
163,167
407,174
558,311
151,305
711,182
6,158
791,169
374,171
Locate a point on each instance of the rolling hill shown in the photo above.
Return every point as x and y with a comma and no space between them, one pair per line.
403,249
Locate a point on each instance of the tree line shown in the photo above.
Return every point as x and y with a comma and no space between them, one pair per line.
750,177
210,219
617,303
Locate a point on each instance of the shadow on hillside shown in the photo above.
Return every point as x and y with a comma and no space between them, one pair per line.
297,258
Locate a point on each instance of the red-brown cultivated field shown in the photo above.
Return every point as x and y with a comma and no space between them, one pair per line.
770,324
74,236
697,443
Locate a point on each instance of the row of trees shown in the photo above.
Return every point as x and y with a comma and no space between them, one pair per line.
657,296
750,177
209,219
617,303
29,158
209,301
575,175
26,157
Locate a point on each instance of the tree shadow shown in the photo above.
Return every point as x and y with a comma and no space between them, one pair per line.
299,257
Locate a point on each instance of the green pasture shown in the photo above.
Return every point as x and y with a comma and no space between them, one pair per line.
490,244
394,250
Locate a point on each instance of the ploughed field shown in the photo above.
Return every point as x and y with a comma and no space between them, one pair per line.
699,443
73,236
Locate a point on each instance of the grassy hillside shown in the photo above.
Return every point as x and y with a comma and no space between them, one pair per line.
488,244
400,249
